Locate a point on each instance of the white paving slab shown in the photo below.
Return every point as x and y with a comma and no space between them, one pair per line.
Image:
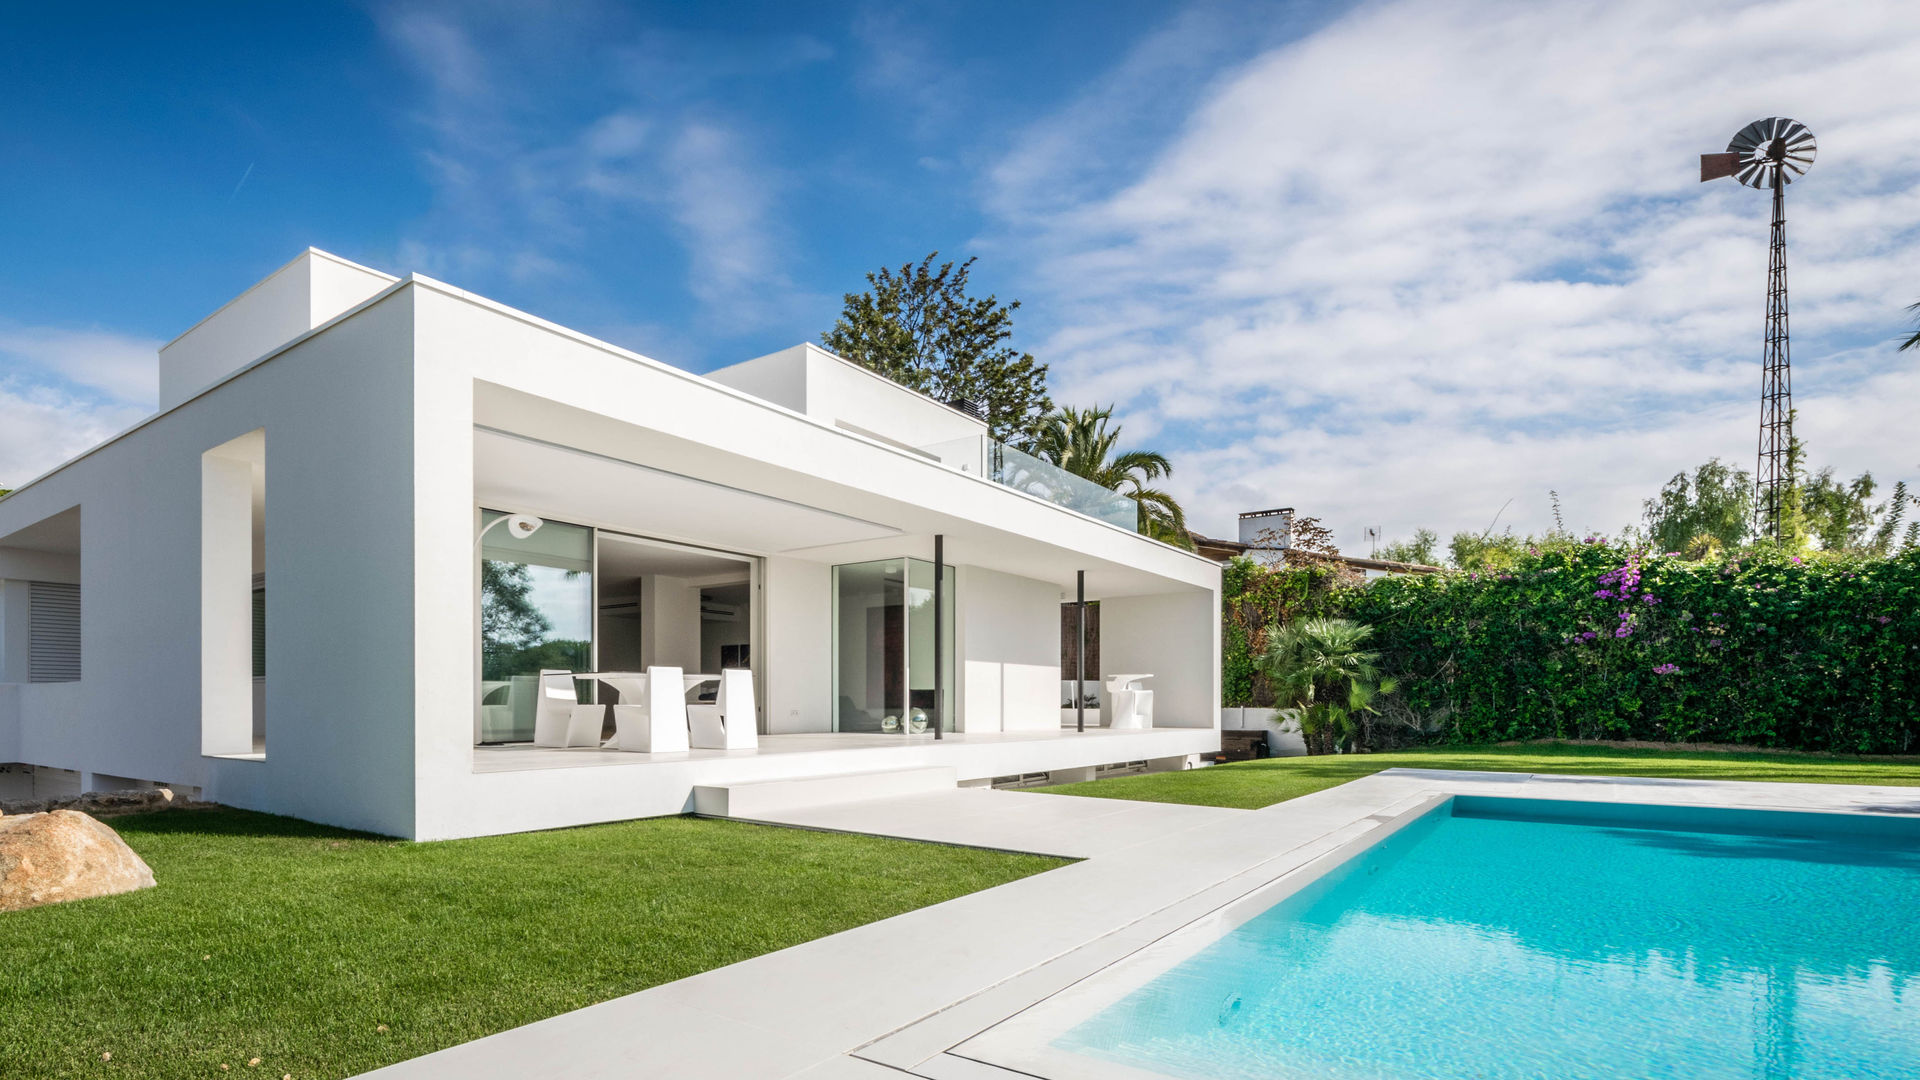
889,998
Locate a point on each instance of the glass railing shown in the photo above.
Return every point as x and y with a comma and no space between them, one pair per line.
1024,472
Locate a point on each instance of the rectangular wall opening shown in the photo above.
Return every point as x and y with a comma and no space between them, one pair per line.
574,598
234,663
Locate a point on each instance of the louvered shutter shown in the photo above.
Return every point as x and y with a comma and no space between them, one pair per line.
53,636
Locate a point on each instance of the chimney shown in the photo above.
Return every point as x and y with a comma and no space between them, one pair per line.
1267,528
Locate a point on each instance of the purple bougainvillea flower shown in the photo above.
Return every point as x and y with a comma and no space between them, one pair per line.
1667,669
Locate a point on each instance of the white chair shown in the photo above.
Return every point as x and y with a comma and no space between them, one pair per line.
652,715
559,719
1132,707
732,722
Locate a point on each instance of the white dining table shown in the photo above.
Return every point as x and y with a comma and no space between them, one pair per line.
635,682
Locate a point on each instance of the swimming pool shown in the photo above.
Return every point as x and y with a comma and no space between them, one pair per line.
1513,939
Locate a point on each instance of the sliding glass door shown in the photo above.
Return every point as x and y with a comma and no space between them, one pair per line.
536,611
883,647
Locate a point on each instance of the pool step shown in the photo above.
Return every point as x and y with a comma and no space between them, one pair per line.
761,799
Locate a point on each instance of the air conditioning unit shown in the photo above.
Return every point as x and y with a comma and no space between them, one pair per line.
712,612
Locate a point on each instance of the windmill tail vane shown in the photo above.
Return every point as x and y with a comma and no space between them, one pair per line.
1770,154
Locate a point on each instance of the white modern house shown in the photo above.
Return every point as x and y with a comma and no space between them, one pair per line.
326,577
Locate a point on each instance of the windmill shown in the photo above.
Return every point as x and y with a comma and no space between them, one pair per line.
1770,153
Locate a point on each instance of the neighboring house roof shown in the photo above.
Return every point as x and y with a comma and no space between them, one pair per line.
1223,550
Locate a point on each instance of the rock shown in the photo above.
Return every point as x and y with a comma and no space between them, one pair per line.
64,855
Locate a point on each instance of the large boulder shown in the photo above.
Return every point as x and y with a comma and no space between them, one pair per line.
64,855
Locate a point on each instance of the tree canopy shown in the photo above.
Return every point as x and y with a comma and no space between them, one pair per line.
1712,509
920,327
1423,549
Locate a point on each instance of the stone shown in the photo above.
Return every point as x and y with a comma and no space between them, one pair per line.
64,855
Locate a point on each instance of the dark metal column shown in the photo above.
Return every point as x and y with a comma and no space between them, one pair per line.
939,629
1080,651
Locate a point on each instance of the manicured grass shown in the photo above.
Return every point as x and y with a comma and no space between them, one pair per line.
1252,784
294,943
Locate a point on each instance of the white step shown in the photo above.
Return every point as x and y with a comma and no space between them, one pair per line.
761,799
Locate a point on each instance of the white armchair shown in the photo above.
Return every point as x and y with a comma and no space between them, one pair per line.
652,715
1132,707
732,722
559,719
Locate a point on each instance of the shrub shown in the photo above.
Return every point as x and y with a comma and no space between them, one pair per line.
1600,641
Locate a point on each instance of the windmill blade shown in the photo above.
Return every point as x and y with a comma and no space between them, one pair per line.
1715,166
1754,146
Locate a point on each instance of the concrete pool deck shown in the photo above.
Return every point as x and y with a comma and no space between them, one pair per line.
894,997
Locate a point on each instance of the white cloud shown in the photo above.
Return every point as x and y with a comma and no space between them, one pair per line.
1436,255
63,390
124,368
41,427
527,178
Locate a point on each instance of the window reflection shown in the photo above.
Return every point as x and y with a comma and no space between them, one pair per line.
536,612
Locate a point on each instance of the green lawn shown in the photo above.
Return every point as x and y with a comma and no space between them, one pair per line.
326,953
1251,784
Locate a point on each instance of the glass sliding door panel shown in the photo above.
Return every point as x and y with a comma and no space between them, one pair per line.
536,612
920,671
869,657
883,646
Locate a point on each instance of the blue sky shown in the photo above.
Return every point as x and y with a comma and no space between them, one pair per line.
1400,263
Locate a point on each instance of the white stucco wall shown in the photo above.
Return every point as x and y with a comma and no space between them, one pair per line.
299,296
1008,631
808,379
798,665
1176,638
338,556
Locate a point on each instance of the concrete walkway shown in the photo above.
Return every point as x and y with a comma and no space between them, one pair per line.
888,999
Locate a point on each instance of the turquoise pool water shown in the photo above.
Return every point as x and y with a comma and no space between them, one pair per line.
1525,939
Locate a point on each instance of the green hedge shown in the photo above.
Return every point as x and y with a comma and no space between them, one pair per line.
1595,641
1254,599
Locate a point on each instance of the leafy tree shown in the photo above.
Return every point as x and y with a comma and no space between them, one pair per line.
1081,441
1324,674
4,492
1838,515
1697,515
1887,536
1423,549
919,327
1485,551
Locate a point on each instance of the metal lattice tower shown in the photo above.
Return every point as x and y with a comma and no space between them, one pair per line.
1770,154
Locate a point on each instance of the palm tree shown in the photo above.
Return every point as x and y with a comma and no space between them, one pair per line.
1914,341
1081,441
1324,676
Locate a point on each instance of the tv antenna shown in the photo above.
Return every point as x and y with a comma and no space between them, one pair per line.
1770,154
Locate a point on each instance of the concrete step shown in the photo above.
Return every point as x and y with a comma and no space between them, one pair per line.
760,799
